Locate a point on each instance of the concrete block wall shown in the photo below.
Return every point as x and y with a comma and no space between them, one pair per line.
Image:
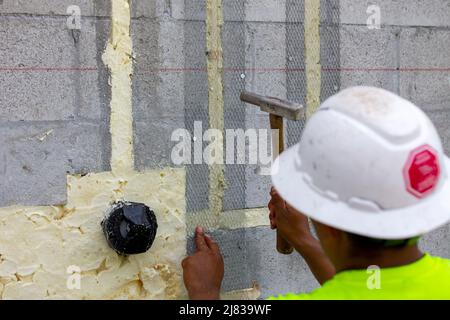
54,106
170,90
54,101
406,56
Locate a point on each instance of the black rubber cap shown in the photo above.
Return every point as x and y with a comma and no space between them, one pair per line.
130,228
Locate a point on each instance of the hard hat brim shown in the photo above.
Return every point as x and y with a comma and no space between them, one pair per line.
429,214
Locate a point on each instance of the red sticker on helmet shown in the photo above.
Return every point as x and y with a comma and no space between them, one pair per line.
422,171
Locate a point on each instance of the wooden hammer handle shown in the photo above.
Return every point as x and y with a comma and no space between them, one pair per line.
276,123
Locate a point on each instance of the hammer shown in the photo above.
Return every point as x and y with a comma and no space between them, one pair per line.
277,109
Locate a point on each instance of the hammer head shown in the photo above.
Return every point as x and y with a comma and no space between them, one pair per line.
275,106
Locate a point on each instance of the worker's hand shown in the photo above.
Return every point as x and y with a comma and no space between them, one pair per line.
290,223
294,227
203,271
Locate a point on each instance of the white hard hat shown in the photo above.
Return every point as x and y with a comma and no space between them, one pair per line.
370,163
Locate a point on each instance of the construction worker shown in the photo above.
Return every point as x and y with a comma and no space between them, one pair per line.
371,175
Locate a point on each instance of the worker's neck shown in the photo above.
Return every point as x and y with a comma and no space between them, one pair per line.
383,258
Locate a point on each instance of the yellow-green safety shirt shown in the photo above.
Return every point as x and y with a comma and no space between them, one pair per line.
427,278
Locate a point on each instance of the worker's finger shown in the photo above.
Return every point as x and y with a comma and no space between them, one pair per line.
279,206
273,191
271,205
275,197
212,244
200,239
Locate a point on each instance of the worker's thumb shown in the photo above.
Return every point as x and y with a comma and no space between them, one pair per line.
276,199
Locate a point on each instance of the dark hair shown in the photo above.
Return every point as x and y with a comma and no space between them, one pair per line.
372,243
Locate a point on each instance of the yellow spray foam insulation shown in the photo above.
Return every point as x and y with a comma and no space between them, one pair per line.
59,252
214,23
230,220
312,55
118,57
41,246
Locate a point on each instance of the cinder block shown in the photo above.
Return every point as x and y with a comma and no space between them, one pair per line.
37,158
330,59
250,255
158,89
238,10
295,63
295,11
158,8
369,57
49,72
152,143
234,10
234,110
361,47
149,8
146,67
437,242
277,273
266,58
197,188
441,120
195,10
330,12
93,8
94,91
177,9
397,12
386,80
258,182
50,7
266,10
425,78
195,108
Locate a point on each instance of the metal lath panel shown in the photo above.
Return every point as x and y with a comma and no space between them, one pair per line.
295,65
239,179
330,42
196,100
239,45
234,42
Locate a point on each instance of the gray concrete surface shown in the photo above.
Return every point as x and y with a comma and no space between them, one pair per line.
158,93
250,256
432,13
37,156
53,78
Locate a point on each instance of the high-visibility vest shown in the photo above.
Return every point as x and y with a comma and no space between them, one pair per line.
427,278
